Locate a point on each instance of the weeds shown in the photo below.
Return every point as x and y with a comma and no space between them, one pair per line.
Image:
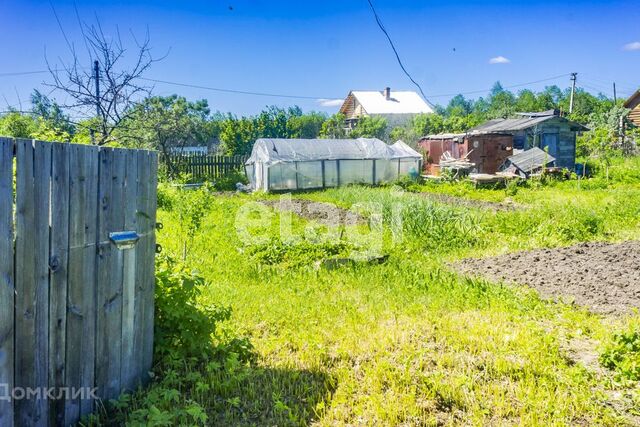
405,342
622,355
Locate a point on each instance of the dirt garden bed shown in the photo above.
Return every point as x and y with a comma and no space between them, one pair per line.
603,277
315,211
506,205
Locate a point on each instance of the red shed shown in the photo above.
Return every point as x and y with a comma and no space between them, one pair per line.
487,150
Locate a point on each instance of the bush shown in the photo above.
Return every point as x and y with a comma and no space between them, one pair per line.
183,327
189,347
623,355
228,182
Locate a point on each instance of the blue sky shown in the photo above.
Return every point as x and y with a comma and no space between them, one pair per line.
323,49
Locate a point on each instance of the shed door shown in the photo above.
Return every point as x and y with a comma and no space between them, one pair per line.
550,141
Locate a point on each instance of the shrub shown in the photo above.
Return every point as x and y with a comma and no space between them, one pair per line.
182,326
189,346
228,182
623,354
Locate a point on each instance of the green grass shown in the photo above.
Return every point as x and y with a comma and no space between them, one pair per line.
406,342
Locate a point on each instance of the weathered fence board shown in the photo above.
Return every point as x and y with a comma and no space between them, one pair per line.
143,223
26,292
148,258
58,264
6,280
75,305
201,166
128,367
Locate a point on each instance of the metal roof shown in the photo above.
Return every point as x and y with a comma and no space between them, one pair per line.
532,159
514,125
399,102
445,136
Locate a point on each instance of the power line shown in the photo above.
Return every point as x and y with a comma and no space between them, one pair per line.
379,22
504,87
242,92
24,73
290,96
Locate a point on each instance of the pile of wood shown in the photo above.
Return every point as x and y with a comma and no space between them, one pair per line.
459,167
447,161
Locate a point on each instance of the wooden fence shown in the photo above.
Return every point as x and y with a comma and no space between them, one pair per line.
201,166
76,311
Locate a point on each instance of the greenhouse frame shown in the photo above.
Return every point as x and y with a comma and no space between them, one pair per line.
304,164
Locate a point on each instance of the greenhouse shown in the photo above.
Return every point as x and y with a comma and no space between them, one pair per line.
301,164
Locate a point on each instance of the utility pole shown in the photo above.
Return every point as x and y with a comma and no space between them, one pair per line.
96,70
615,97
574,76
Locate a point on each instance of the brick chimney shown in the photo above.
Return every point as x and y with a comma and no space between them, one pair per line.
387,93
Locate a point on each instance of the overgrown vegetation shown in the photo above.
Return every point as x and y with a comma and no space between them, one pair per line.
259,336
622,354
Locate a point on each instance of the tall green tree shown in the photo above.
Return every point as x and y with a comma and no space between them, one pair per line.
165,123
370,127
334,127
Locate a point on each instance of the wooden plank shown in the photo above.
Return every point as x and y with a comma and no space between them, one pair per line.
6,281
80,340
152,205
110,270
129,367
59,249
25,272
141,303
42,202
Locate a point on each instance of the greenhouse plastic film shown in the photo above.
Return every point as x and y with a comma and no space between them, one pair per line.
298,164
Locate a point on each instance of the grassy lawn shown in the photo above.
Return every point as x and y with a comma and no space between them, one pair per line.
407,341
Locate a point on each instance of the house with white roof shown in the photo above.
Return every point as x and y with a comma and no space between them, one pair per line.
397,107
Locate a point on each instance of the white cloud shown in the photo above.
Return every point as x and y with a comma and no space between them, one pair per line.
330,102
499,60
632,46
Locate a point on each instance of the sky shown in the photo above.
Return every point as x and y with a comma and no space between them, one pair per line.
322,49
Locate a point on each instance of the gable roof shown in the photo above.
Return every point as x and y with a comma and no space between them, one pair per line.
633,100
400,102
528,120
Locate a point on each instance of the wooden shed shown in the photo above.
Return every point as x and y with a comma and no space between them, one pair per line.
546,130
633,103
487,150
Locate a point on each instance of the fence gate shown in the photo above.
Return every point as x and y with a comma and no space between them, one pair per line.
76,300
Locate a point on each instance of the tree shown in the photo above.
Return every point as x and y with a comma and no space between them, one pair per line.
501,102
237,135
370,127
334,127
119,81
18,125
527,101
427,124
306,125
165,124
459,106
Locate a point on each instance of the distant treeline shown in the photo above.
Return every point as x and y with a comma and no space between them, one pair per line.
166,123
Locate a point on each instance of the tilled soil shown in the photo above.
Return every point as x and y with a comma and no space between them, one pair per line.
317,211
603,277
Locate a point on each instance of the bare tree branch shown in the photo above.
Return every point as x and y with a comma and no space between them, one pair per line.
119,78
